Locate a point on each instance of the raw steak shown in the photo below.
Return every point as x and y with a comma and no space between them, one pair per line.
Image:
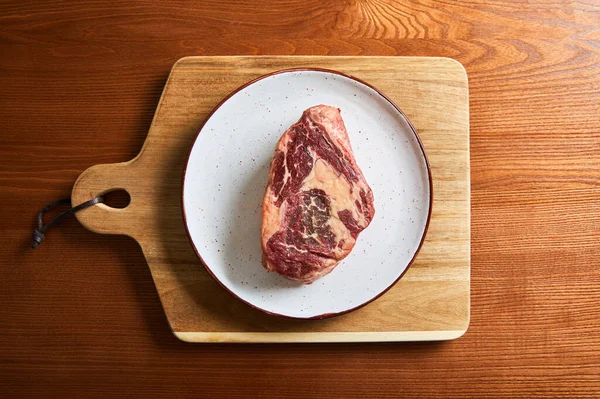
317,200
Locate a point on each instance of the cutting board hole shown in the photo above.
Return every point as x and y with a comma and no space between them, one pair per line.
117,199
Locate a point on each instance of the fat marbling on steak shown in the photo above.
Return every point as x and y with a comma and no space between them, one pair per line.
317,200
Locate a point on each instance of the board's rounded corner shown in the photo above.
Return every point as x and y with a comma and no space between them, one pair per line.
183,337
460,68
459,333
182,60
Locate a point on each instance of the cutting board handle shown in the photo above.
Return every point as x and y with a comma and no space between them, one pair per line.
101,218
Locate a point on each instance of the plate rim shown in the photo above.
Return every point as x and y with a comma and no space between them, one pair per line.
307,69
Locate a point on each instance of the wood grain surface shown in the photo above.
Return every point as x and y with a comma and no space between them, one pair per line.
431,302
80,317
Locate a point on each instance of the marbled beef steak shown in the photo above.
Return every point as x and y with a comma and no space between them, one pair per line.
317,200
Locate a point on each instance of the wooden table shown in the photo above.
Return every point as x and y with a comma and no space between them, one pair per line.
80,316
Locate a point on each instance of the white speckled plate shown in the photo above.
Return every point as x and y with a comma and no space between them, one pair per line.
227,172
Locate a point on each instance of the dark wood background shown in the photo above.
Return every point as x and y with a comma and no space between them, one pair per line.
80,316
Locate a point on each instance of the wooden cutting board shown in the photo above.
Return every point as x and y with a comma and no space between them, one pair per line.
431,302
